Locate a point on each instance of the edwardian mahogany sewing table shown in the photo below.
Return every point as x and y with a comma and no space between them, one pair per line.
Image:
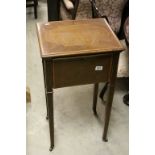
75,53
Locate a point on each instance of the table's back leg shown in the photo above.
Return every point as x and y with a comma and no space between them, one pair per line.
111,88
49,94
104,89
95,98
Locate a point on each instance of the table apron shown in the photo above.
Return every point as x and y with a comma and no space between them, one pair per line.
81,70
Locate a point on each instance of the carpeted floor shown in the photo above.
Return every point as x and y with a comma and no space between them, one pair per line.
77,131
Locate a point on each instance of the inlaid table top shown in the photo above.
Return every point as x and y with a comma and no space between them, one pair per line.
76,37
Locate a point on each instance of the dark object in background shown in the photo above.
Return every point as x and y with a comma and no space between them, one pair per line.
115,12
32,3
71,10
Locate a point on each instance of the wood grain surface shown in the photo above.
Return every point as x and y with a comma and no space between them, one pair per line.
74,37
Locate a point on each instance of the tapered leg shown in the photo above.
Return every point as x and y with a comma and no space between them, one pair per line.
43,64
49,93
108,112
95,98
51,118
103,91
111,86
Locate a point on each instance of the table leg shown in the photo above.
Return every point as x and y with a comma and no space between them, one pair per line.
49,95
95,98
110,95
43,64
108,111
51,118
104,89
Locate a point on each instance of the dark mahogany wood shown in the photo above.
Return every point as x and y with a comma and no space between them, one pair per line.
77,37
103,91
110,94
95,98
49,96
75,53
45,85
81,70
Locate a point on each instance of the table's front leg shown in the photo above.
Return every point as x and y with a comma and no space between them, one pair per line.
44,73
111,87
49,96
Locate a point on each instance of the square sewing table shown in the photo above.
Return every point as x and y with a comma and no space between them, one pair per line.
77,52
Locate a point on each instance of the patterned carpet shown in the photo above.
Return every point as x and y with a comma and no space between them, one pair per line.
85,12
